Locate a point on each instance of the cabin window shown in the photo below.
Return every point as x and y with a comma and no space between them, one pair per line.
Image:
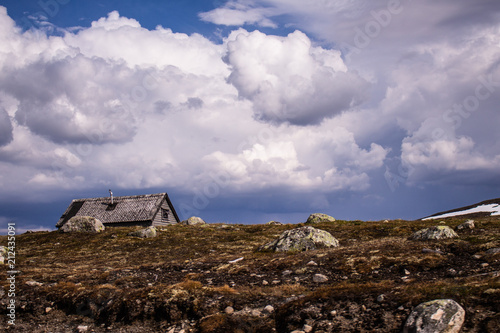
164,213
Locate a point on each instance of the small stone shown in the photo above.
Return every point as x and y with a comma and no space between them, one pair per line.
307,328
363,307
467,225
484,265
48,309
82,328
380,298
320,278
33,283
194,220
286,273
311,263
255,313
276,282
407,272
401,308
452,272
265,283
333,313
269,309
297,331
229,310
149,232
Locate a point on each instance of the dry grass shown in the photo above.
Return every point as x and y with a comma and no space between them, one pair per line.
186,272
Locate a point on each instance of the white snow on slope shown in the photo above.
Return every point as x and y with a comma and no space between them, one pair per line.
493,208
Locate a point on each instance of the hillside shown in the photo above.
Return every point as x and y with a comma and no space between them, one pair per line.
211,279
484,208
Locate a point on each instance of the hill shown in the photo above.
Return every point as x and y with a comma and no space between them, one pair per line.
481,209
211,279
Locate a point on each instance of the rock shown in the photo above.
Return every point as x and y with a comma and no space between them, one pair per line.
432,251
229,310
3,254
380,298
318,218
148,232
493,251
274,223
320,278
467,225
255,313
268,309
32,283
442,315
82,328
265,283
312,263
434,233
193,220
48,309
301,239
307,328
83,224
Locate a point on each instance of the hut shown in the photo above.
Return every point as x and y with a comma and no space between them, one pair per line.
135,210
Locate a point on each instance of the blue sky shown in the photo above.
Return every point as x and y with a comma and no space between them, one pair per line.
246,111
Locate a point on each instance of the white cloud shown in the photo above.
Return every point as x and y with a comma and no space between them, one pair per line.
289,80
237,13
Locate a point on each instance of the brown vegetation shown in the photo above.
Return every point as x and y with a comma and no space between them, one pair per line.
184,278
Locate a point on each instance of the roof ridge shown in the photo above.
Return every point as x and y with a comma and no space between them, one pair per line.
123,197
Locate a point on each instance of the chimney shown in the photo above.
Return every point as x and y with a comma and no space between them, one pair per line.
111,195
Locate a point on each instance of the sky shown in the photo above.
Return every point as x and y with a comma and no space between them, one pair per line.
247,111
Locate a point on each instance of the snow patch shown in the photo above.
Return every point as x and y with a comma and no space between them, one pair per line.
493,208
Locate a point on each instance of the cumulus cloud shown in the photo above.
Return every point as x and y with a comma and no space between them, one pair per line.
5,128
237,13
289,80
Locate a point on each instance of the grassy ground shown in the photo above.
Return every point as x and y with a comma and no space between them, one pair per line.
184,279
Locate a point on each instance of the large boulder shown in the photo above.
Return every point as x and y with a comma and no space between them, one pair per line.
319,218
438,316
148,232
193,220
83,224
434,233
301,239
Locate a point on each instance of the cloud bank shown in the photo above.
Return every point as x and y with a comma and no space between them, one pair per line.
115,104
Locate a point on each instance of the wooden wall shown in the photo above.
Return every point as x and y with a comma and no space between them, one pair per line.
159,220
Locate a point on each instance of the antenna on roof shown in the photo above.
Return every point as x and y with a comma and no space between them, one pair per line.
111,195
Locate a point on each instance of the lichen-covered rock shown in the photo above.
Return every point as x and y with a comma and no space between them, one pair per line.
318,218
83,224
3,254
193,220
438,316
434,233
148,232
467,225
301,239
